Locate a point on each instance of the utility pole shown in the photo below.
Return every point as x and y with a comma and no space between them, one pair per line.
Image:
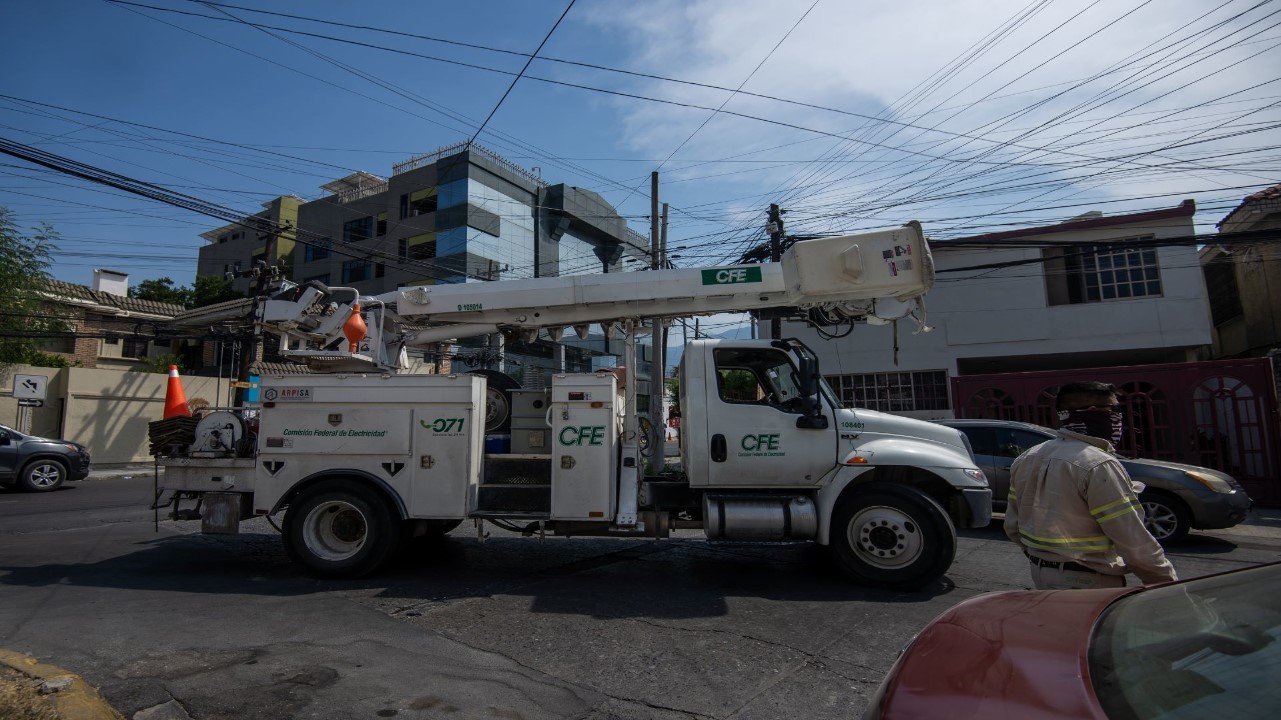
264,270
657,435
775,229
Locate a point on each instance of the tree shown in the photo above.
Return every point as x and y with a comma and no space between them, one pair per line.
206,290
162,290
209,290
26,319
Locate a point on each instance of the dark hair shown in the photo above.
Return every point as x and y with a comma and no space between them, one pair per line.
1084,393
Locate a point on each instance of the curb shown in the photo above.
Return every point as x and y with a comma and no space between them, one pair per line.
78,700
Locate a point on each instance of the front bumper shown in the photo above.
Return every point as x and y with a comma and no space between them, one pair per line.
1223,510
978,505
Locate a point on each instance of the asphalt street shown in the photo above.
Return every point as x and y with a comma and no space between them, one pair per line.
169,623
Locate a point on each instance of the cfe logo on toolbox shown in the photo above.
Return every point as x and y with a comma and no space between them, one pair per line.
761,445
574,435
731,275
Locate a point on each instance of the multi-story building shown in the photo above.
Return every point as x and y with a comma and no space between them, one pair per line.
1244,278
459,214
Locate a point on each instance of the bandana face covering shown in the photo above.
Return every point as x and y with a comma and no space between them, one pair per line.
1096,423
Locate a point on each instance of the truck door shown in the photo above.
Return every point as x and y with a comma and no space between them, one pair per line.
752,406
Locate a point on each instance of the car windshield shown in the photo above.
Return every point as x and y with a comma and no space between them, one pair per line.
1206,648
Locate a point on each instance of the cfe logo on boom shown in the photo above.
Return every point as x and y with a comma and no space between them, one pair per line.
761,445
731,275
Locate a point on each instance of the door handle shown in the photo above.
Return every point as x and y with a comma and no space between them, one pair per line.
719,452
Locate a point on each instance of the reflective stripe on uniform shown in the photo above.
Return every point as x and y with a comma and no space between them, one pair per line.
1107,512
1080,544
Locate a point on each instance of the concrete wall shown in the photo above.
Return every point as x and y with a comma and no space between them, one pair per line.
105,410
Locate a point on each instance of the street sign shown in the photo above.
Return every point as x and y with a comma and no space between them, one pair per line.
241,384
30,387
30,402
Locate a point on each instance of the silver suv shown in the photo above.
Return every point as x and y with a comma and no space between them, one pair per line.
1177,497
40,464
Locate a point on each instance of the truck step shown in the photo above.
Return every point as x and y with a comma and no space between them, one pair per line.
504,515
512,497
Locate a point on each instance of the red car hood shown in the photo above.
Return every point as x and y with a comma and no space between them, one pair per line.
1009,655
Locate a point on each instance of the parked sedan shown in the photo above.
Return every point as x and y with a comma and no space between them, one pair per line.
1176,498
40,464
1203,648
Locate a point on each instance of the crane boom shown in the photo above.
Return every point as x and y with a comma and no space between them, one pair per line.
873,274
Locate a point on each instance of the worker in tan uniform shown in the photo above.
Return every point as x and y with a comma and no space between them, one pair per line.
1073,508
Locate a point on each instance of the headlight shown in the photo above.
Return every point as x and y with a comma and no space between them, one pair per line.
976,474
1214,482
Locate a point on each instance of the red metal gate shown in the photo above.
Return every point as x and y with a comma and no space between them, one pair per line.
1220,414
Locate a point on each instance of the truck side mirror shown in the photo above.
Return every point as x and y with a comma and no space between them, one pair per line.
812,417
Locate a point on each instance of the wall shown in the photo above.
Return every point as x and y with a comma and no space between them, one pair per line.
105,410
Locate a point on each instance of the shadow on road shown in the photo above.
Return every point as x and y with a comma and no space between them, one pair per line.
597,577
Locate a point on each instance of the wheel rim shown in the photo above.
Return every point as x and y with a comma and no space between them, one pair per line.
496,409
885,537
335,530
45,475
1160,519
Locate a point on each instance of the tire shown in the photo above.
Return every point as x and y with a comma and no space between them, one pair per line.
498,400
892,536
1166,517
43,475
341,529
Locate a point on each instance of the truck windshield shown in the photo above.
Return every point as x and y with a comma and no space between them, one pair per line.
829,393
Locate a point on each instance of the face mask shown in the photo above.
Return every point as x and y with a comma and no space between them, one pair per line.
1095,423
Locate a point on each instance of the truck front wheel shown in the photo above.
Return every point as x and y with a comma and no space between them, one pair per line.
892,536
340,529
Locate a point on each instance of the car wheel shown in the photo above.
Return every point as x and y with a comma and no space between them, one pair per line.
892,536
1165,516
43,476
498,402
340,529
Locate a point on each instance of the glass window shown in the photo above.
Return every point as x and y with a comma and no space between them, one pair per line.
381,227
317,250
358,229
453,193
757,376
1099,273
422,202
354,271
1200,649
893,392
420,247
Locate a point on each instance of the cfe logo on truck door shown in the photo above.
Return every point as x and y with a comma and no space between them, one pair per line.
761,445
577,435
731,275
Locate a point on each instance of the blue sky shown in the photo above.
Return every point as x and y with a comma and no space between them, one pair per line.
968,115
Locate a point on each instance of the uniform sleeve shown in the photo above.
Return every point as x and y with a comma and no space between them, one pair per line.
1116,509
1012,509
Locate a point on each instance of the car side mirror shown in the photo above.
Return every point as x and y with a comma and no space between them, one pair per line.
4,439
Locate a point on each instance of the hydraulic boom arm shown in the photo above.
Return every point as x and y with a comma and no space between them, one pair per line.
876,274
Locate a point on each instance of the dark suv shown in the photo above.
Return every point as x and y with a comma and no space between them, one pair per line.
1176,497
39,464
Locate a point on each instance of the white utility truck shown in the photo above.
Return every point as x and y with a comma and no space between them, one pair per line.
361,458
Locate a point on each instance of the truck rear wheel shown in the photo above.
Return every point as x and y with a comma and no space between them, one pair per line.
340,529
498,400
892,536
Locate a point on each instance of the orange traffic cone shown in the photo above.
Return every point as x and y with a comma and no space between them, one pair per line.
175,398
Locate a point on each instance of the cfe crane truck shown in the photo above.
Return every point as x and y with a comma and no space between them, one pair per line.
361,457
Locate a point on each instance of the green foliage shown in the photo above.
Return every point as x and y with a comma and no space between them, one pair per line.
210,290
206,290
162,290
27,319
159,364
